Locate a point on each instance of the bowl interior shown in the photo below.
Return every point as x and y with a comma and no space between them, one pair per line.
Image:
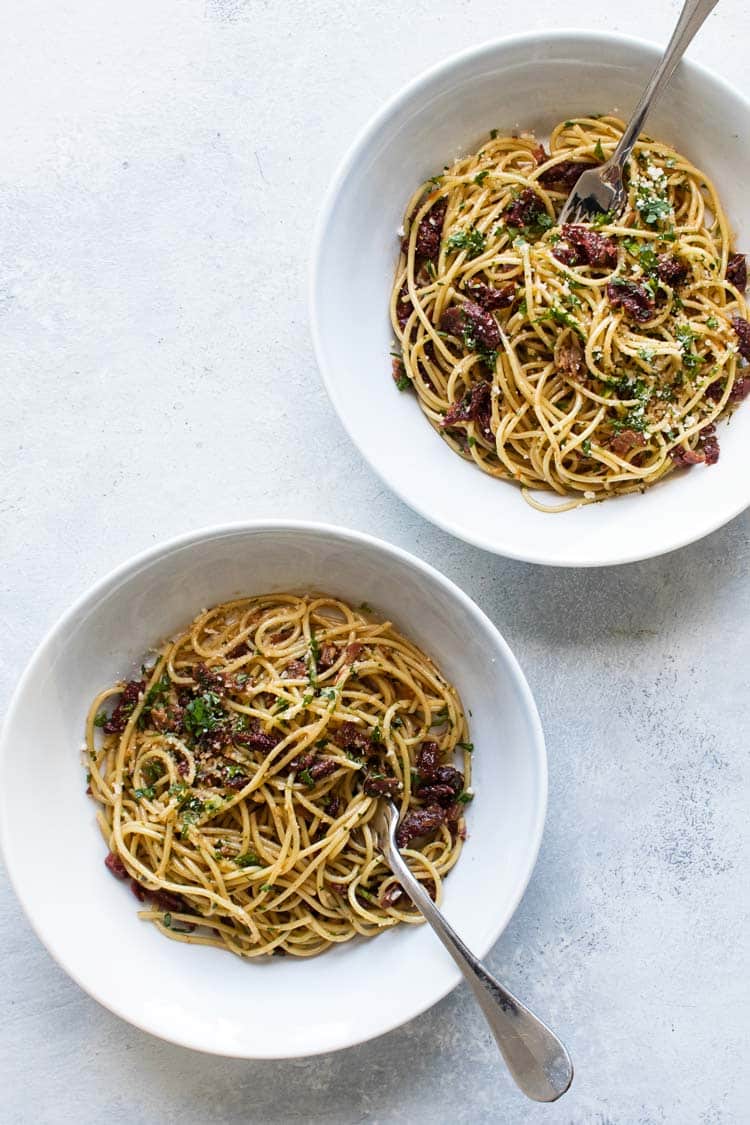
530,83
203,997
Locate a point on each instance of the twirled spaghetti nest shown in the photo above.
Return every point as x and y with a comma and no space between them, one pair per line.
238,777
585,360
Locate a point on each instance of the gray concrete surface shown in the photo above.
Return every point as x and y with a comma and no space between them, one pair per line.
162,164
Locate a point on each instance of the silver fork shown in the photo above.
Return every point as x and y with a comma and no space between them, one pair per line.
534,1055
602,189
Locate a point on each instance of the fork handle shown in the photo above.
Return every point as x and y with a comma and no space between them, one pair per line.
692,17
534,1055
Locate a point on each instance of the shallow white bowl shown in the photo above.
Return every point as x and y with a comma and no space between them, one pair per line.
203,997
530,82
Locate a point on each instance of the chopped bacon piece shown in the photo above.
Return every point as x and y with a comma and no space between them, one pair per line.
114,864
474,407
737,271
474,324
420,822
589,247
569,358
671,269
430,231
742,331
488,298
540,154
633,298
129,697
626,440
564,176
525,210
352,652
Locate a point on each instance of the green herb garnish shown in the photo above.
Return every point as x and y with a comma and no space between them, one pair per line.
249,859
101,719
147,792
202,714
473,241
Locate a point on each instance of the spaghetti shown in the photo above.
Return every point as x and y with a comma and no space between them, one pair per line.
588,360
238,778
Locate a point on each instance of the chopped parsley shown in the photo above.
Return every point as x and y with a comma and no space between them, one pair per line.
168,921
403,383
281,706
481,176
376,735
586,447
467,746
157,692
307,778
202,714
712,323
686,337
465,797
560,316
652,208
147,791
599,151
249,859
101,719
473,241
267,886
645,254
493,134
191,810
440,717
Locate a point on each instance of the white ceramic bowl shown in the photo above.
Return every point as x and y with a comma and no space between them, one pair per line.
532,82
203,997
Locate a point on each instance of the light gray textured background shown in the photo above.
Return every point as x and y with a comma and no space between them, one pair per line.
162,162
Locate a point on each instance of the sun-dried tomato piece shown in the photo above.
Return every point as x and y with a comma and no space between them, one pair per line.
742,331
471,322
564,176
737,271
633,298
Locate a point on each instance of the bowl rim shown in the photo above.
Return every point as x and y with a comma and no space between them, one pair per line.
358,146
120,574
